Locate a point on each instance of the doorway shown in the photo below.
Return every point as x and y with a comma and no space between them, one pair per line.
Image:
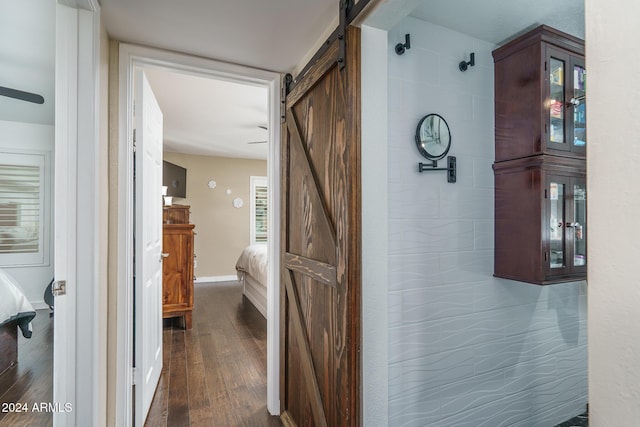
135,57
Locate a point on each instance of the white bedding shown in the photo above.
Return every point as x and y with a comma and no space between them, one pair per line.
14,305
253,261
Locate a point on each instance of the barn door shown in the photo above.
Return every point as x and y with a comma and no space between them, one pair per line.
320,277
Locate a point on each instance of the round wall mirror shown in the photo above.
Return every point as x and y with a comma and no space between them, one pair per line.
433,137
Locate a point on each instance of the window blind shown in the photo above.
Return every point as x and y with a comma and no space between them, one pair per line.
20,208
260,199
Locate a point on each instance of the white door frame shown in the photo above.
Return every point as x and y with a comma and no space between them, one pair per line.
131,57
79,374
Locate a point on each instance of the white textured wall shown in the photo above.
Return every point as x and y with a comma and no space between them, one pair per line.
614,206
465,348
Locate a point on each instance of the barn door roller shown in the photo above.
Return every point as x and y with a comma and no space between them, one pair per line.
342,30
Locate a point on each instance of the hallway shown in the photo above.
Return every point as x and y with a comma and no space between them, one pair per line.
214,374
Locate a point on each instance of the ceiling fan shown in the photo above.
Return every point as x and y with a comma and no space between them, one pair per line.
21,95
259,142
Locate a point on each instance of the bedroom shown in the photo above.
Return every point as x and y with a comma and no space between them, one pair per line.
216,131
26,202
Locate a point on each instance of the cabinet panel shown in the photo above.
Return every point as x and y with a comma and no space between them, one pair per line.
177,271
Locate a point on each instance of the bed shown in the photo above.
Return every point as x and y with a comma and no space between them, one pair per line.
252,269
15,312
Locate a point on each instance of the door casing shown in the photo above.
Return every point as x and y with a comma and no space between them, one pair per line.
79,374
130,58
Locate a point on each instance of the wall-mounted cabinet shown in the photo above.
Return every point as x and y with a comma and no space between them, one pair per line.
540,168
540,219
540,102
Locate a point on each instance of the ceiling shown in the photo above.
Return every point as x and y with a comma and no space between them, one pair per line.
497,21
204,116
27,58
273,35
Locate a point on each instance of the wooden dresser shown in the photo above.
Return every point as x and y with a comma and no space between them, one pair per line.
177,267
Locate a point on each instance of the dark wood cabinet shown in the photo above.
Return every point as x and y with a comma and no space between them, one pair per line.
540,153
178,264
540,219
540,104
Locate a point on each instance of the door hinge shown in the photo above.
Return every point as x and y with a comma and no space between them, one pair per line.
59,287
546,255
545,193
134,140
133,376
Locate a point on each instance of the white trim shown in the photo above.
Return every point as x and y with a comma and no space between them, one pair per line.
39,305
130,57
216,279
273,249
375,222
77,380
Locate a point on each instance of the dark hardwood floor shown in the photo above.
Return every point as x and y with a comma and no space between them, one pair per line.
216,373
30,381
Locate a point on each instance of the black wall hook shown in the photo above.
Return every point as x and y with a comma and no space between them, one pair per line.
400,48
464,65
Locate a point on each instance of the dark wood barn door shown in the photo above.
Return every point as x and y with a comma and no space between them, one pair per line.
320,277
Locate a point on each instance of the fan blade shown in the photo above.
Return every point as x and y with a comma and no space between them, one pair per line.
257,142
21,95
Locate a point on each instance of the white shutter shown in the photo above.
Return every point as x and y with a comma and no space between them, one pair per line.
21,208
259,210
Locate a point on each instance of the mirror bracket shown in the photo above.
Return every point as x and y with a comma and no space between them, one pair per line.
433,166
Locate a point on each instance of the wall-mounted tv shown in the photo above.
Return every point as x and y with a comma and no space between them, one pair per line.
174,177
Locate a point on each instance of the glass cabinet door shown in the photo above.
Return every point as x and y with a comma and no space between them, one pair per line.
579,224
566,114
557,100
557,250
567,235
579,104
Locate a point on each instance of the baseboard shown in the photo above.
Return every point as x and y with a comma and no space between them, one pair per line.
213,279
40,305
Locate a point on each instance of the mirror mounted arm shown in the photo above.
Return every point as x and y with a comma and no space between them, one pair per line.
451,168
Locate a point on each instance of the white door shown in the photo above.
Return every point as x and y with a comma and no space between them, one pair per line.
148,246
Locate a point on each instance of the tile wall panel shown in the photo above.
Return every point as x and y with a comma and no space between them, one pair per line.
465,348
